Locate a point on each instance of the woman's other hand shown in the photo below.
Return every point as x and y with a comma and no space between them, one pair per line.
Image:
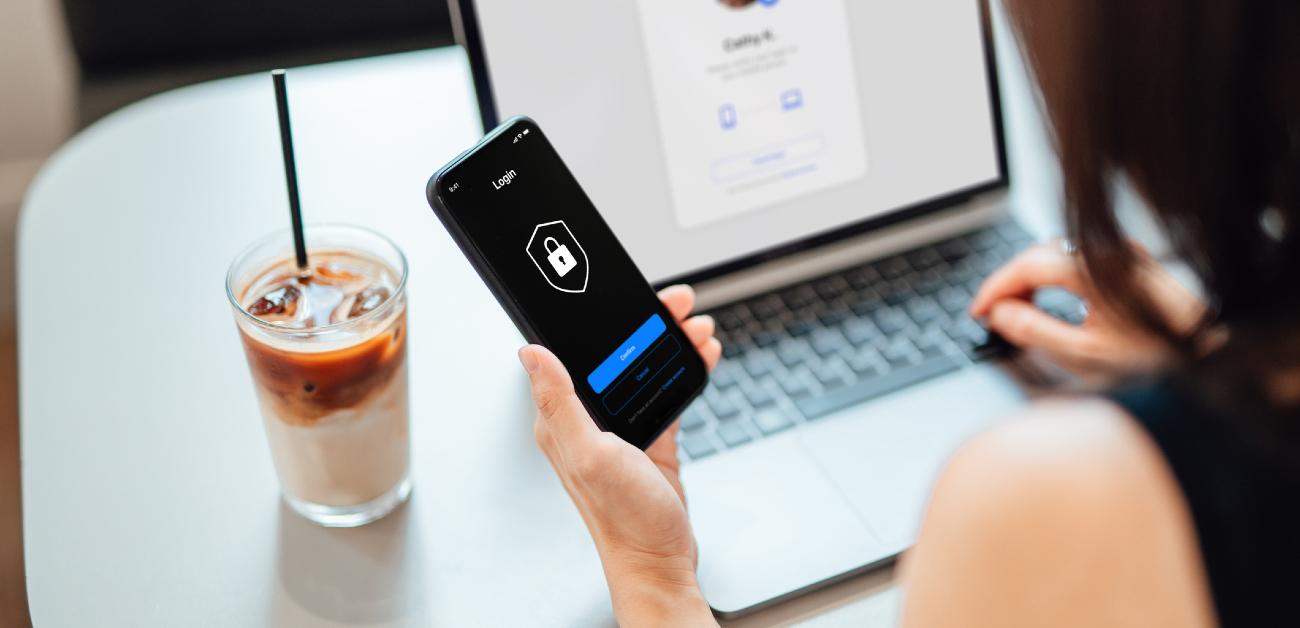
1105,344
631,501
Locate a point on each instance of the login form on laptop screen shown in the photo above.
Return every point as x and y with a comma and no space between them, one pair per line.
706,130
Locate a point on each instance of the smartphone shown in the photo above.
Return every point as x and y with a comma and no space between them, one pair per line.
540,245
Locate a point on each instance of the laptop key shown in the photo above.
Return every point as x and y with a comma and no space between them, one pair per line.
984,240
766,338
772,420
826,342
923,309
923,258
867,302
896,293
975,341
730,320
893,268
764,308
722,406
697,445
929,283
795,386
792,353
954,300
990,261
898,345
798,297
798,328
830,376
898,361
930,352
1013,233
758,396
862,277
933,336
860,332
724,375
891,320
830,289
960,273
733,434
865,362
953,250
833,316
758,364
871,387
693,418
965,327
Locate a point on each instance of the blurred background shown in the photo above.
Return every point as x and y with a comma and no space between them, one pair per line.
66,63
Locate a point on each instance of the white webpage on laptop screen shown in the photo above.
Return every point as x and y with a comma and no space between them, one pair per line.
757,102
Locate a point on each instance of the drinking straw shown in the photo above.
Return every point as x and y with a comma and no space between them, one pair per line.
290,169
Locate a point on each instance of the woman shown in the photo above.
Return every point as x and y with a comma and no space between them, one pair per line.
1171,500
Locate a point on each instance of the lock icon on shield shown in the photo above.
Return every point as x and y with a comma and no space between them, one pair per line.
559,256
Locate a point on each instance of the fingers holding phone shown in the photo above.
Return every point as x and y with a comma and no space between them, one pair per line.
548,256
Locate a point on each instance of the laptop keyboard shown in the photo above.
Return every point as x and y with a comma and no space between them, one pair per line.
805,351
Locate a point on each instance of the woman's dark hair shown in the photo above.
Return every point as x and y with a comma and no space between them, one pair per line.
1196,103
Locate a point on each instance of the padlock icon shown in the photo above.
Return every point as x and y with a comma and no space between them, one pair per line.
559,257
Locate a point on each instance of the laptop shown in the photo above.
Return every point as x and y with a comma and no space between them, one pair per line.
831,177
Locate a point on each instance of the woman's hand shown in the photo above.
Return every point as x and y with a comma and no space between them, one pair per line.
1106,344
631,501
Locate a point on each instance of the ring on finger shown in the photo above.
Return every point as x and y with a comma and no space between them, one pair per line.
1066,246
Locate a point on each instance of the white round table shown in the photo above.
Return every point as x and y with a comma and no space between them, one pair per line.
149,496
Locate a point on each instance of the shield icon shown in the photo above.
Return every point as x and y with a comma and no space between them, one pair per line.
559,257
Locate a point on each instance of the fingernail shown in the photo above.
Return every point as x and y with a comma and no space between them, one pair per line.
528,358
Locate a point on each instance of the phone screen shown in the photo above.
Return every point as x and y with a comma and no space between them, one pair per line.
549,255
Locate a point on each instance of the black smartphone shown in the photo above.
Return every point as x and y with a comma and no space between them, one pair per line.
543,249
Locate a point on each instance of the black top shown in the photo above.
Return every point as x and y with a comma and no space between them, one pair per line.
1244,500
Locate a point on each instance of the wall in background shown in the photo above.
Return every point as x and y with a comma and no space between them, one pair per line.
38,99
37,85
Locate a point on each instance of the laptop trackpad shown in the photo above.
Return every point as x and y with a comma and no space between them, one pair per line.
885,456
769,523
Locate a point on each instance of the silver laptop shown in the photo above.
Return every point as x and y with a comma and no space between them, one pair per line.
831,176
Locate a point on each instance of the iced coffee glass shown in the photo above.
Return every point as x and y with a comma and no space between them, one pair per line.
327,351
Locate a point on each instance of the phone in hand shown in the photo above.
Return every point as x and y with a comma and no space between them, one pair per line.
540,245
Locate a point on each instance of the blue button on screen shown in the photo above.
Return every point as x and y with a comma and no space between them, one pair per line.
626,353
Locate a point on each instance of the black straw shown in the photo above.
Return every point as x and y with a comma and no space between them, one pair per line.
290,169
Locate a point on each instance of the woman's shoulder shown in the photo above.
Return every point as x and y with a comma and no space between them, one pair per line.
1090,446
1071,502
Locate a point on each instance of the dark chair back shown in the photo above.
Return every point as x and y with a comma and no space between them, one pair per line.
128,35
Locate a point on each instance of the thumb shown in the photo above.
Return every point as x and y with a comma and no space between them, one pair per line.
553,393
1024,325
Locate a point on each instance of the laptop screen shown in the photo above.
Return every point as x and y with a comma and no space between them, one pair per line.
707,131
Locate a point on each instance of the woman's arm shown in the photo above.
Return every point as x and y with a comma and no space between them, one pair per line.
632,501
655,593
